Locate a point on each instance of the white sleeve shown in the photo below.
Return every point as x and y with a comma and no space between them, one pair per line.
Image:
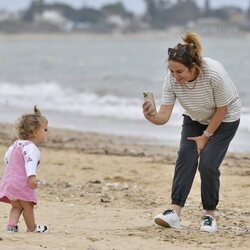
168,96
31,155
7,155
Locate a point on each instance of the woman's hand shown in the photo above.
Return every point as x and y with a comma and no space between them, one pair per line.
32,181
148,110
200,141
158,118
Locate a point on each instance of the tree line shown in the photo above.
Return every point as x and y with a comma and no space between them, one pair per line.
159,14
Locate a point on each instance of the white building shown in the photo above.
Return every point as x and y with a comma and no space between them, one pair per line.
51,16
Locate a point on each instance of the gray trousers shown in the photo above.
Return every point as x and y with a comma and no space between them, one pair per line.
208,163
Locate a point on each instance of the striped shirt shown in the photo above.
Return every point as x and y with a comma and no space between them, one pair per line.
214,88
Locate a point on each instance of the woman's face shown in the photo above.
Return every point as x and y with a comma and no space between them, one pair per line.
180,72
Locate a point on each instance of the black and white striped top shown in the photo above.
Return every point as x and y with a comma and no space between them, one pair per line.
214,88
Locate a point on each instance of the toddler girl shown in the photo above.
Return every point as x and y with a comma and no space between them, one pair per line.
19,182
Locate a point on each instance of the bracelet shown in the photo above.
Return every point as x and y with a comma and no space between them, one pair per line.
207,134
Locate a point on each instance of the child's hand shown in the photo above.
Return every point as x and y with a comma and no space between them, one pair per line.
32,181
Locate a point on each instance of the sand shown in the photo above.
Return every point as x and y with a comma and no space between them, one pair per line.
102,192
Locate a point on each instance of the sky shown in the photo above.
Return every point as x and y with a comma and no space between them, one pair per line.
136,6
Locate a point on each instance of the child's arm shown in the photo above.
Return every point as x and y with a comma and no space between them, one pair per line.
31,156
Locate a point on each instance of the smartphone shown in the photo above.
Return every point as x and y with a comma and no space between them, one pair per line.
149,97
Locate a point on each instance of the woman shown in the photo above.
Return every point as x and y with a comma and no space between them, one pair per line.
211,118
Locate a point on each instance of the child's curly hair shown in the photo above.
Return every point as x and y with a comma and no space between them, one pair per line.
30,123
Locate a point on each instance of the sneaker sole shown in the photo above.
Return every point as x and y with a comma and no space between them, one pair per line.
43,232
166,222
162,223
208,230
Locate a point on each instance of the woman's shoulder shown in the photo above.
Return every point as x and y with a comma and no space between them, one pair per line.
213,68
212,64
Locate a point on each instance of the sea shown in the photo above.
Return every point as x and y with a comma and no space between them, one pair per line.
94,83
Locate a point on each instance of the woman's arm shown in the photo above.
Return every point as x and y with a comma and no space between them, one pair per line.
215,122
159,118
216,119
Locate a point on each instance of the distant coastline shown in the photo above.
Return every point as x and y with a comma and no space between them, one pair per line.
146,34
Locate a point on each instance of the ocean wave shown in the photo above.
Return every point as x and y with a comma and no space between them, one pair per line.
53,97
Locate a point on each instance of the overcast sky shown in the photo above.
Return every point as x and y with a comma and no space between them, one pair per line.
136,6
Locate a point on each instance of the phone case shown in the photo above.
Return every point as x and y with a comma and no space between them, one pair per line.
148,96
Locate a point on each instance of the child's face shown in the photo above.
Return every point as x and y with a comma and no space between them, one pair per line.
41,135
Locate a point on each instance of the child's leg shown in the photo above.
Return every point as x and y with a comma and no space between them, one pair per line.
28,214
15,212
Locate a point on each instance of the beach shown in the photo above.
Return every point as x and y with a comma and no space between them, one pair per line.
101,192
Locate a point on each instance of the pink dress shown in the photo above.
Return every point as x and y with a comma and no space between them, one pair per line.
22,159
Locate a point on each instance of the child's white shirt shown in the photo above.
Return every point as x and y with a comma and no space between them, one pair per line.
31,155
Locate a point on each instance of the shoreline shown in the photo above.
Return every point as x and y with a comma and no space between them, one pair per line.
102,143
93,143
145,35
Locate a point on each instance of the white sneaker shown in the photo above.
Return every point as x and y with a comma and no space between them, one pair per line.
208,224
41,229
168,218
